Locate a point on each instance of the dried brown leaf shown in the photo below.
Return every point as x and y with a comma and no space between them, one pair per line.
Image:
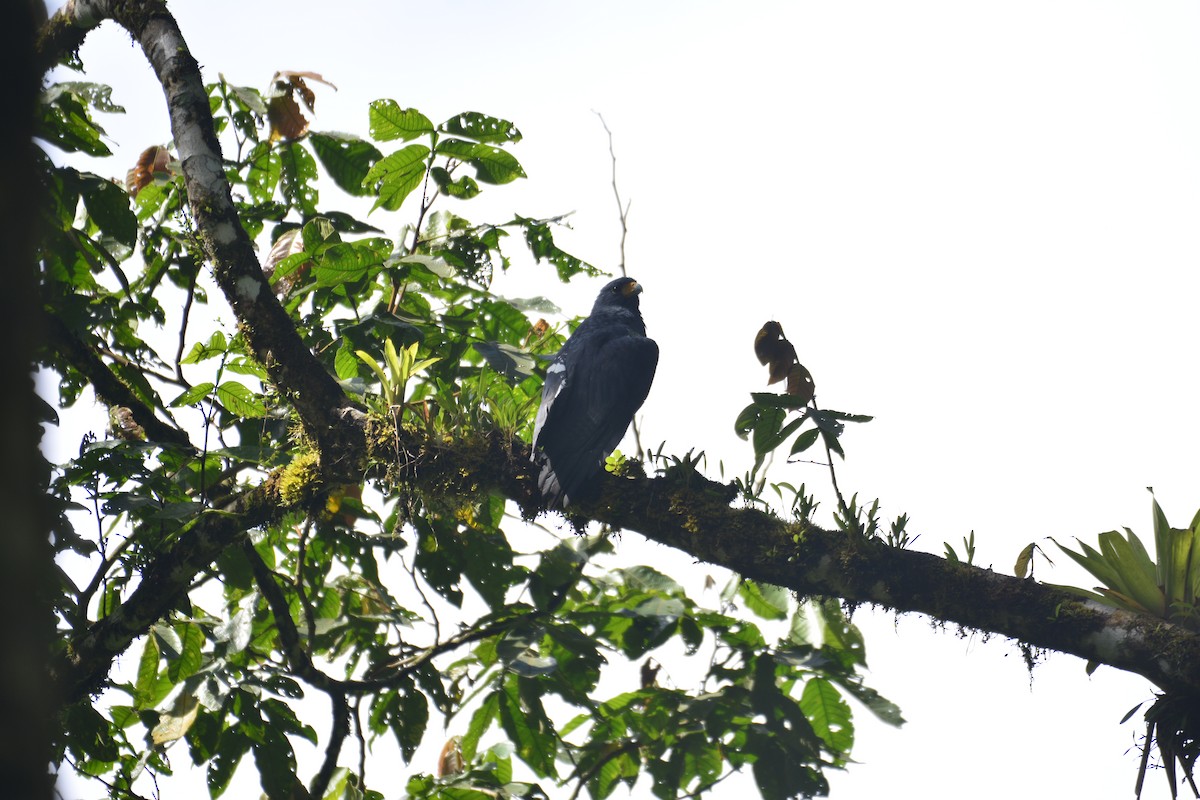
451,761
539,329
289,243
153,165
650,673
800,383
773,349
766,340
284,112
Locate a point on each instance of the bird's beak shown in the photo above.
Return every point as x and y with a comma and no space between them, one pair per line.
631,289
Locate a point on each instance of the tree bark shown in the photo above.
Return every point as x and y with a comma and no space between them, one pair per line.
28,703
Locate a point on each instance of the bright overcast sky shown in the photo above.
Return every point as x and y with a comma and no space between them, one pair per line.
978,222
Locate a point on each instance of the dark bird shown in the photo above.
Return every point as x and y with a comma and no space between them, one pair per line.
594,386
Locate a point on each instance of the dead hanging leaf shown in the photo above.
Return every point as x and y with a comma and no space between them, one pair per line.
175,723
288,244
650,670
774,350
451,762
800,383
539,329
288,93
153,166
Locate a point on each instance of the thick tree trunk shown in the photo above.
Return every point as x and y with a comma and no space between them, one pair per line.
27,701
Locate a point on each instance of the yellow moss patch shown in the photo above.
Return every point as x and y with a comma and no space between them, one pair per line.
300,480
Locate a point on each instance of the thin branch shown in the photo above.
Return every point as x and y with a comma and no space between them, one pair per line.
623,218
107,385
622,207
183,324
84,598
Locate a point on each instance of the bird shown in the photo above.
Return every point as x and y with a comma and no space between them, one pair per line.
593,387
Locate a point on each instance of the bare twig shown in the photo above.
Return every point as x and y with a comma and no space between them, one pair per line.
623,218
622,206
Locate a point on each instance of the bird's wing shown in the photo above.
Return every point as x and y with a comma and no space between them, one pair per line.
590,404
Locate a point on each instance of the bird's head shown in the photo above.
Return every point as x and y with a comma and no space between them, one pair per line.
621,293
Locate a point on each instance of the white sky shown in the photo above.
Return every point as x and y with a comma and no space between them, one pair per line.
979,222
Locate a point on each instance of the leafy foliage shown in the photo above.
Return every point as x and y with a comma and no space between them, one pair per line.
1166,587
349,593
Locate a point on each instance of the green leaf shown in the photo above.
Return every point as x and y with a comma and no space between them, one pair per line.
193,395
513,363
805,441
389,122
216,346
828,714
649,579
345,365
225,761
190,656
877,704
773,400
481,128
66,123
765,600
96,95
464,188
767,429
1021,568
481,721
346,262
145,685
492,165
346,158
250,97
1136,579
541,243
108,206
395,176
525,722
298,178
276,762
240,400
264,172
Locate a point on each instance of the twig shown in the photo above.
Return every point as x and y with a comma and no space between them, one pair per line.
622,207
832,472
623,218
183,324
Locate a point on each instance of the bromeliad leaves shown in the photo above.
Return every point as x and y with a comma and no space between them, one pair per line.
765,421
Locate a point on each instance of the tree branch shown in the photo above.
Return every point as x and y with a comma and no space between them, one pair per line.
686,511
107,385
165,581
268,330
